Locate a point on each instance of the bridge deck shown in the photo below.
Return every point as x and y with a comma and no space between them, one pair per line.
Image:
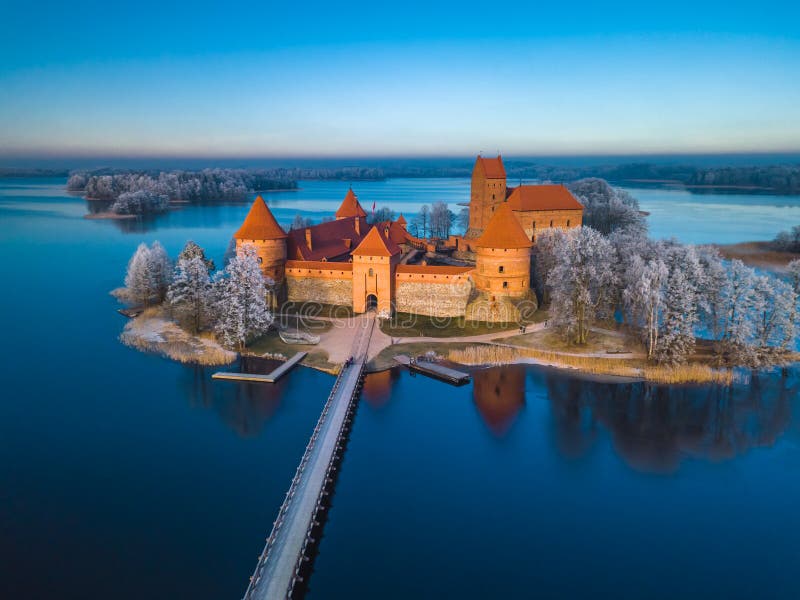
278,570
269,377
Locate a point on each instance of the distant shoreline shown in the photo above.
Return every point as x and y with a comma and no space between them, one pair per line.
758,254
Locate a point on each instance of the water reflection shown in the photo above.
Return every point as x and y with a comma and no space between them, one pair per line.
499,395
244,407
654,428
378,387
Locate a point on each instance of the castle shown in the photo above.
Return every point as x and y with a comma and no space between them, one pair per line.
382,266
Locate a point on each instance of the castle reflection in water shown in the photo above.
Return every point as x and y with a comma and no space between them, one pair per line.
652,427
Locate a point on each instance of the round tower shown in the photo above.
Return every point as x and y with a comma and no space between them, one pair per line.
262,231
503,261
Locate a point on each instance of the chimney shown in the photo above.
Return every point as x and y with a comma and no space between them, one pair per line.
348,243
358,225
308,238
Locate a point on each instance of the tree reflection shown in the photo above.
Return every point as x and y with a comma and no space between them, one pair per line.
654,427
244,407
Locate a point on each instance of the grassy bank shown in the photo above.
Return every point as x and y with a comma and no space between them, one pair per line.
491,354
274,346
411,325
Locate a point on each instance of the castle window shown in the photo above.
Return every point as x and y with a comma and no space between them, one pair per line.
260,260
501,269
371,273
505,284
551,222
492,196
533,225
567,222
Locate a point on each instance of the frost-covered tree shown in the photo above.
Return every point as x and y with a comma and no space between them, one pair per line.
774,321
607,209
140,202
191,250
643,296
240,300
159,271
580,282
676,338
189,294
544,260
137,279
738,300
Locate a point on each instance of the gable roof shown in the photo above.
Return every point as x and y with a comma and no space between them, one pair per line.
397,233
350,207
327,240
492,167
503,231
260,224
376,244
543,197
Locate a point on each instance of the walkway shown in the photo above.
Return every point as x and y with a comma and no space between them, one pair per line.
283,563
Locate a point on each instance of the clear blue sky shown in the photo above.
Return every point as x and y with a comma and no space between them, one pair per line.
408,78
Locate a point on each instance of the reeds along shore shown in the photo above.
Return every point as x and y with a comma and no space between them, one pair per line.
498,355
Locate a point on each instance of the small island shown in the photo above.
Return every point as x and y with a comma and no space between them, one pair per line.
558,275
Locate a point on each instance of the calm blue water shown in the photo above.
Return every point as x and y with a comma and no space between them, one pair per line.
125,475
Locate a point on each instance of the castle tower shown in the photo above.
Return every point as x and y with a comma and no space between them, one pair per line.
262,231
503,260
374,263
488,190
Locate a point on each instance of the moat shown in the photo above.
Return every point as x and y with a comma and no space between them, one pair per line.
132,476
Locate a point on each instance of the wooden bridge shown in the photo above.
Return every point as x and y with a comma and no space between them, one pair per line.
285,561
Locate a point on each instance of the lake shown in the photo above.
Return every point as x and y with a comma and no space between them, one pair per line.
125,475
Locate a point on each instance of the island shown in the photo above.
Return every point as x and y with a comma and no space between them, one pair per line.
559,275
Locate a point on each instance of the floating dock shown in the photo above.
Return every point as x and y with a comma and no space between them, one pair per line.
268,378
434,370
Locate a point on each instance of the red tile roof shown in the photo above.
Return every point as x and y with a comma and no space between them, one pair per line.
543,197
397,232
503,231
401,220
375,243
324,265
433,269
492,167
260,224
350,207
327,240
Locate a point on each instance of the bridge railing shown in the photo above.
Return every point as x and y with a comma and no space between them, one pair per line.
310,446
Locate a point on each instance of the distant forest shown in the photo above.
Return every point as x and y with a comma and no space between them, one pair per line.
151,192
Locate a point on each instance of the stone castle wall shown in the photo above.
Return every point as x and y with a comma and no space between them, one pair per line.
319,282
435,299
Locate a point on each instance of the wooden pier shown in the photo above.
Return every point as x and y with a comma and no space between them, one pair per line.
433,370
268,378
284,564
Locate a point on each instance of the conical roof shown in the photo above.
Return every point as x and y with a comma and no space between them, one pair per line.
260,224
503,231
375,244
350,207
401,220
